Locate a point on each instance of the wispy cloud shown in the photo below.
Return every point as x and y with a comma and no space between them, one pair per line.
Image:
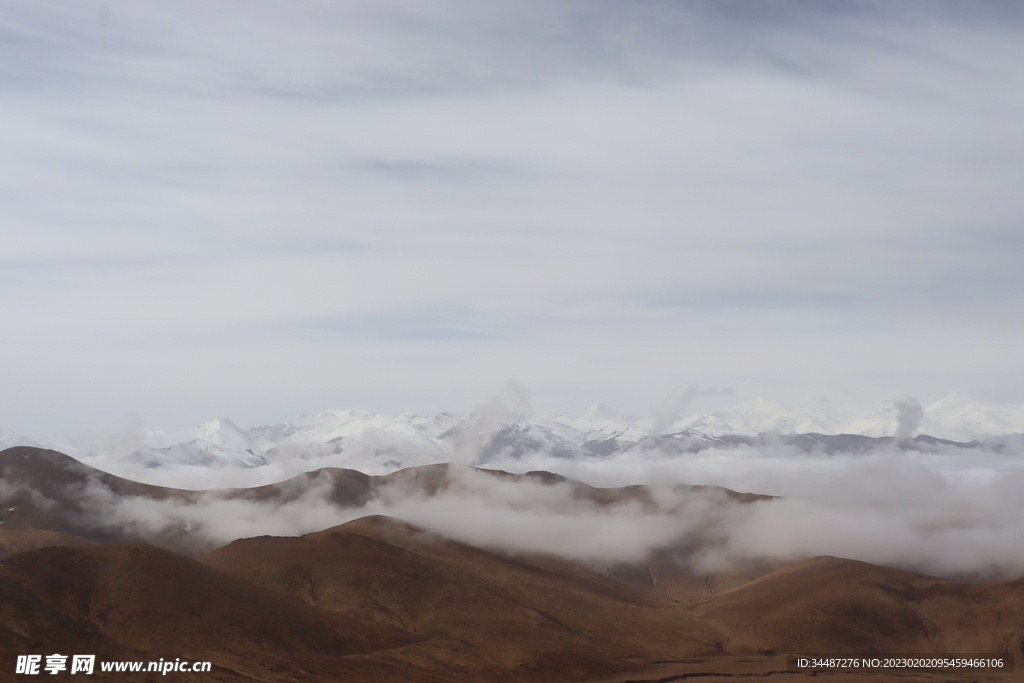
437,324
590,197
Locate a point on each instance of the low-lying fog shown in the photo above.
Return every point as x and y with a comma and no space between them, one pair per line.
952,512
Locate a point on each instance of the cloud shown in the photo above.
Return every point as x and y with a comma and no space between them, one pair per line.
446,324
214,520
909,414
925,523
606,200
468,440
677,405
948,512
12,490
530,516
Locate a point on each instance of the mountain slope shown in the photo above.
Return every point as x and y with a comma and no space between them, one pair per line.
377,599
139,602
46,490
829,604
548,615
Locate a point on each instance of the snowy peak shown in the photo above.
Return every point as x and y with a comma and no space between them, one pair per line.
222,433
758,416
600,411
10,439
957,415
328,418
374,443
600,427
705,425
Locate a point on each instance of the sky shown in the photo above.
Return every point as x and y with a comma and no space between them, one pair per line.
261,209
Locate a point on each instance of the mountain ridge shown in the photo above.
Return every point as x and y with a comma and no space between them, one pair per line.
382,443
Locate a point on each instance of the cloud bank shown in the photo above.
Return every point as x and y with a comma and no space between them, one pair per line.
951,512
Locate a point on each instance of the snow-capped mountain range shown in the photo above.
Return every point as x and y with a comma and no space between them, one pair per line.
361,440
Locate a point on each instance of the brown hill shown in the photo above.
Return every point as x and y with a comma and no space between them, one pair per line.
484,615
433,479
46,490
828,604
487,616
18,540
137,602
380,600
